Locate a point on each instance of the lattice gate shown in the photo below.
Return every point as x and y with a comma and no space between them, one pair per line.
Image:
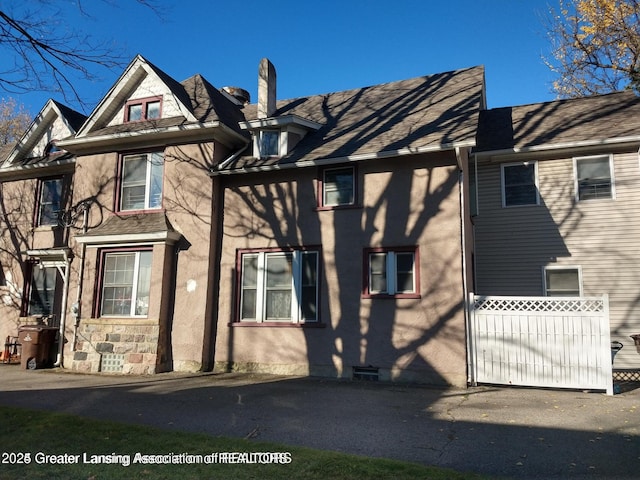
559,342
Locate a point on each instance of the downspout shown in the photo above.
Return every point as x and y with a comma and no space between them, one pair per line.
230,159
63,312
76,306
463,240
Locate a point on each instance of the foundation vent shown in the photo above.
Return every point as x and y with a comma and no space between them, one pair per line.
369,374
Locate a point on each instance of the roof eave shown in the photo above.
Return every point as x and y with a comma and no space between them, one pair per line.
37,169
184,133
349,158
167,237
585,144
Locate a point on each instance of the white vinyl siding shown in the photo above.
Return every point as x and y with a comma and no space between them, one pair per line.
514,244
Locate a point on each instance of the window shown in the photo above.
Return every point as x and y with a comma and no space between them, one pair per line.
279,286
42,290
49,202
593,177
338,186
562,281
268,143
391,272
145,109
126,280
141,184
519,184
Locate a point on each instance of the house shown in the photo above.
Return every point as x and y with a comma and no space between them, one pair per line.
557,199
342,247
36,181
320,235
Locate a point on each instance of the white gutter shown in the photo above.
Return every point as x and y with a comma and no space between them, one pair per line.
558,146
86,142
129,239
348,158
35,166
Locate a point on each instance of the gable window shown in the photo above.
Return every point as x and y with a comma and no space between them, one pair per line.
268,143
279,286
144,109
49,202
520,184
338,186
141,182
42,290
562,281
594,177
391,272
125,283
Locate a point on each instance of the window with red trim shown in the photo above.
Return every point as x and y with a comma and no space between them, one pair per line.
143,109
337,187
125,282
278,286
141,181
391,272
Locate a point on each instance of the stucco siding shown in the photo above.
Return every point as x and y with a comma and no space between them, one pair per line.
400,203
513,245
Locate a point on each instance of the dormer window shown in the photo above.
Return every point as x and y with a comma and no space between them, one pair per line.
276,137
269,143
143,109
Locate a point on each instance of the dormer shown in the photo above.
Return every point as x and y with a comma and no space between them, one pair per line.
39,144
274,136
277,136
146,108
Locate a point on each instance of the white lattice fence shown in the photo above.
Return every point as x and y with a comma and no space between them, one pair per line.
540,341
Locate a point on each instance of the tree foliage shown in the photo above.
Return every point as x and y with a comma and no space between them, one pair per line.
41,49
14,120
595,46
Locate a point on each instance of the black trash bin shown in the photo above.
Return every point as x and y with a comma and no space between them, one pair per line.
36,341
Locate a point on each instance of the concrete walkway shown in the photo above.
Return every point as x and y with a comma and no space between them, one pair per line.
506,432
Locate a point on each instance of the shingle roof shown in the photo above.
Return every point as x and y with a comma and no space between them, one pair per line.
203,100
132,224
435,110
614,115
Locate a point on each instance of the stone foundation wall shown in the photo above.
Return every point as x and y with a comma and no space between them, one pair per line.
119,346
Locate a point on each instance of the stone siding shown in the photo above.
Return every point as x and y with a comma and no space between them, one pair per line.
133,345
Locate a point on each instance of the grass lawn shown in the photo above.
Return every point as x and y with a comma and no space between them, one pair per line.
34,442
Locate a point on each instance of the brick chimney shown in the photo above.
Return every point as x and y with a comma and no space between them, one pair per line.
266,89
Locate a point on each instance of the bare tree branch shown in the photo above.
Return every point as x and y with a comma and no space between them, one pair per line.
46,55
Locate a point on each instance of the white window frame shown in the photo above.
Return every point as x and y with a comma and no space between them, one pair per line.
151,157
503,185
576,180
258,144
353,187
391,272
296,314
59,181
576,268
134,284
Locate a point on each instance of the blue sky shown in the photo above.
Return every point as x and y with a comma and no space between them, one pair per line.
325,46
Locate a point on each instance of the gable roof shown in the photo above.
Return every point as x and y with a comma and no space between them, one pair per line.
53,119
427,113
200,105
609,118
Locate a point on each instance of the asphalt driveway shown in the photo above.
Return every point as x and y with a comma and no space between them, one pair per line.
506,432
